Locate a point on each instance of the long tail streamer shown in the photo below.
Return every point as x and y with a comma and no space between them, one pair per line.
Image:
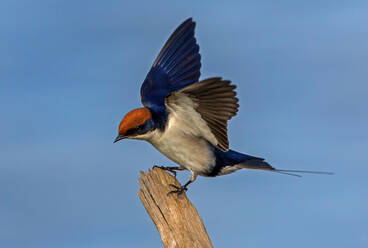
292,172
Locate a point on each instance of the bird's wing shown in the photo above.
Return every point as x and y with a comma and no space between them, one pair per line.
177,66
206,106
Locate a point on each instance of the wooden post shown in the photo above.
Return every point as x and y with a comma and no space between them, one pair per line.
175,217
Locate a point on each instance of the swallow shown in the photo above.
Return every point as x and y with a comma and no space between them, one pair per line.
186,118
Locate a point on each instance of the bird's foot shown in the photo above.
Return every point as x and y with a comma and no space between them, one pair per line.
169,169
178,189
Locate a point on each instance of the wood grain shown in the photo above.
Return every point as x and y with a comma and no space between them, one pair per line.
175,217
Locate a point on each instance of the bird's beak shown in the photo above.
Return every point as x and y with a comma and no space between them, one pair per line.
120,137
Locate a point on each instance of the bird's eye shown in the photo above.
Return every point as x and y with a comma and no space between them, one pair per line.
135,130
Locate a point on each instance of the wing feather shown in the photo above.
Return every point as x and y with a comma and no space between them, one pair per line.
176,66
215,100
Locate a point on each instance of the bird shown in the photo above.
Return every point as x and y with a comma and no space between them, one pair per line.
185,118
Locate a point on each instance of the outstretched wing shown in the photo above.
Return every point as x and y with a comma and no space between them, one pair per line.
207,106
177,66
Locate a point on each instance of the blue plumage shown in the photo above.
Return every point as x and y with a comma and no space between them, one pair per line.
177,66
233,158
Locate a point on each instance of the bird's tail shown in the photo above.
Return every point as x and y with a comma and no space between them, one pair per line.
231,161
260,164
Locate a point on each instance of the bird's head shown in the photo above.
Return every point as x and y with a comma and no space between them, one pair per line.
136,125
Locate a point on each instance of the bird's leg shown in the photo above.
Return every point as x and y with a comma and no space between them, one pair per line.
172,169
180,189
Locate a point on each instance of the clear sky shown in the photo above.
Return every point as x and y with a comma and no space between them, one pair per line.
70,70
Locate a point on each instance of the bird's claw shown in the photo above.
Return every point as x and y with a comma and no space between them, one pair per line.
166,169
178,189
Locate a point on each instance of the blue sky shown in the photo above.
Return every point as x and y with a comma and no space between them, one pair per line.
70,70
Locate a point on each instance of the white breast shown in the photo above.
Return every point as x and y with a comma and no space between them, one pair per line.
184,139
191,153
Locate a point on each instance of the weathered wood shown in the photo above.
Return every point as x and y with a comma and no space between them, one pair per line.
175,217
